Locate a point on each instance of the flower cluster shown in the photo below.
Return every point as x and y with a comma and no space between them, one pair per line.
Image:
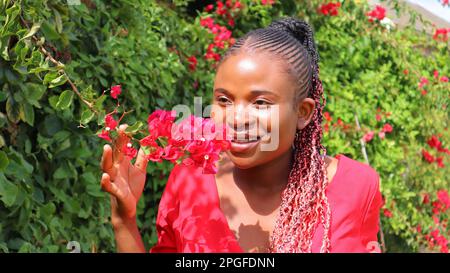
193,141
222,35
435,143
387,128
377,14
441,34
439,207
330,9
445,2
268,2
424,82
338,124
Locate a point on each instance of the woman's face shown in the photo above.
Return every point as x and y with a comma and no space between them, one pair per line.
254,98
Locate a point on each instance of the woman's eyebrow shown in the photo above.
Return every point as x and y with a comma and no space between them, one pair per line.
253,92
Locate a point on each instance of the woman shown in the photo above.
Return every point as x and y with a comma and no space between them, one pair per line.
293,198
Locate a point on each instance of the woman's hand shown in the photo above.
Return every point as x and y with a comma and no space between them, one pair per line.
123,180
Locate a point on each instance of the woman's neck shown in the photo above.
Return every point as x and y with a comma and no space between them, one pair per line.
268,178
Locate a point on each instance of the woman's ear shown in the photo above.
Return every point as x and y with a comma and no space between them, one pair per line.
305,110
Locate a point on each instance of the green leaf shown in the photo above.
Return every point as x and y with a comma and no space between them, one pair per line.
134,128
27,113
4,161
60,80
65,100
86,116
12,110
8,191
33,30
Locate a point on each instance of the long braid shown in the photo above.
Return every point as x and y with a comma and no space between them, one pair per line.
304,203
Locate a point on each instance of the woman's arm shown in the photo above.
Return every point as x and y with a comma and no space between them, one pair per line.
125,184
128,238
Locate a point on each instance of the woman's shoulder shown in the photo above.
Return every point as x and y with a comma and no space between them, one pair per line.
358,177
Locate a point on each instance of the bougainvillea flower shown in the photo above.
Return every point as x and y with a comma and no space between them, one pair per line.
330,8
368,136
192,63
105,135
444,197
434,142
129,151
110,122
428,157
387,128
115,91
160,123
378,13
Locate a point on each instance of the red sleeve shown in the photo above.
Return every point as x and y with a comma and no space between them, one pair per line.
370,224
167,213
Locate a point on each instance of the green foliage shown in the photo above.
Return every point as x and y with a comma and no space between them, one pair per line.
57,59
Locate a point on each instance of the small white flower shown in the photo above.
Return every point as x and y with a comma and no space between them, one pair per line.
108,129
206,157
129,145
202,139
387,23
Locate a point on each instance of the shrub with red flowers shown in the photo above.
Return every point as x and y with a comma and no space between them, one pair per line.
193,141
386,89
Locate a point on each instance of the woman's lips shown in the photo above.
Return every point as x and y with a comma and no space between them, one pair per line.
241,145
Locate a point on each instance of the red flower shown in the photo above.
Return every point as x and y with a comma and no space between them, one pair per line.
105,135
207,22
423,81
209,7
267,2
444,79
368,136
110,122
115,91
327,116
434,142
428,157
387,213
129,151
156,155
192,63
378,117
381,134
426,199
387,128
221,10
423,92
406,71
379,12
160,123
441,32
436,74
231,22
330,8
444,197
237,5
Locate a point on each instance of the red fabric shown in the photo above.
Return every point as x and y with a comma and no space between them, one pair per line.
190,219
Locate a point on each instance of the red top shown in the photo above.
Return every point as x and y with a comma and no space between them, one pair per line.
190,219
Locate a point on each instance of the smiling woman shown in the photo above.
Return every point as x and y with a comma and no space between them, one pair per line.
267,93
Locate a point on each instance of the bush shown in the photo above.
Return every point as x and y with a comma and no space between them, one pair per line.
385,105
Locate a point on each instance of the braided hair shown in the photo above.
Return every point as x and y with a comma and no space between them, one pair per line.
303,202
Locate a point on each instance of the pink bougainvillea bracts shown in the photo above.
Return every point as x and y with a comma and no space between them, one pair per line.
115,91
377,14
331,9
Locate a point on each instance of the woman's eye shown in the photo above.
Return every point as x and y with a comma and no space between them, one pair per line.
222,100
261,102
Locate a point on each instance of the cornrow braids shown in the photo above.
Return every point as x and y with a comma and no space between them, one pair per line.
304,203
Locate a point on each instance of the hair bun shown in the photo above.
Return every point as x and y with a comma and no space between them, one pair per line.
300,30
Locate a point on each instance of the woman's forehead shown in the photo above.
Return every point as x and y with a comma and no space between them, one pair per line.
252,71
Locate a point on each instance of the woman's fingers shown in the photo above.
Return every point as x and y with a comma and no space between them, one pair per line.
107,162
141,161
110,187
120,142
